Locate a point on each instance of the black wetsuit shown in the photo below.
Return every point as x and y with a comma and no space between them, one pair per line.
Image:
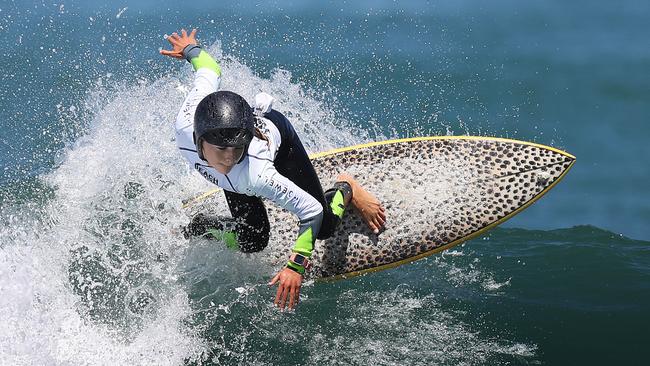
250,220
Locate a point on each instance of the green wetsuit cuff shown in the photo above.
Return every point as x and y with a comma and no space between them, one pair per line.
305,243
199,59
307,234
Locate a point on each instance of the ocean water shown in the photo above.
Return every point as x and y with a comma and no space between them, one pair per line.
93,272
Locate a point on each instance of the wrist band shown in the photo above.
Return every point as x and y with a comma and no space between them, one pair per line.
191,51
296,267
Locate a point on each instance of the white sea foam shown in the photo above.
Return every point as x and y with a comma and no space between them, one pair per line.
399,327
100,275
491,285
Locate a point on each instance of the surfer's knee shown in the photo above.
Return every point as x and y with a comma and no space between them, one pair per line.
252,241
328,226
200,224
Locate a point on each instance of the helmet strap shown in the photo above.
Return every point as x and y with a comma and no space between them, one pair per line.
199,146
243,155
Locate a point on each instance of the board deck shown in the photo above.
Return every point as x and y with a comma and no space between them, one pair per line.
438,192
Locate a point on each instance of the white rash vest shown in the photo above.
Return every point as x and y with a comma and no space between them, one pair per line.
255,174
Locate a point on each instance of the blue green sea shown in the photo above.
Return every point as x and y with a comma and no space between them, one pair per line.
91,184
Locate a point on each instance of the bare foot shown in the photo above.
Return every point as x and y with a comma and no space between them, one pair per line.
366,203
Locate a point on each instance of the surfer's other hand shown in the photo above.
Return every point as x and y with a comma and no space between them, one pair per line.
179,43
289,287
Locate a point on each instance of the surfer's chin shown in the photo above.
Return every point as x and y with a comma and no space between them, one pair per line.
223,169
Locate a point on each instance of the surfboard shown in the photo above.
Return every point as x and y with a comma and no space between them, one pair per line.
438,191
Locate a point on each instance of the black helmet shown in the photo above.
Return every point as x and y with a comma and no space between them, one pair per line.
223,118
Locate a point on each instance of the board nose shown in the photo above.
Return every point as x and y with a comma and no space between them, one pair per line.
557,152
541,158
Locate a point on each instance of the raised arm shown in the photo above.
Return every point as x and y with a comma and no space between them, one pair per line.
206,81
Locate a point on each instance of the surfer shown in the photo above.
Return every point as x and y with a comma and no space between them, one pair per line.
254,154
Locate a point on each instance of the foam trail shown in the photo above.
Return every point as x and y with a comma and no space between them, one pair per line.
421,332
92,275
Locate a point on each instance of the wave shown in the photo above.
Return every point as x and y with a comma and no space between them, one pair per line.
93,269
92,266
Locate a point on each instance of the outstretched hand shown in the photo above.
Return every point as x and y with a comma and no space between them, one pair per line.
179,43
290,282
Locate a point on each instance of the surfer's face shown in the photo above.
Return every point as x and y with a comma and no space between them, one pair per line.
223,159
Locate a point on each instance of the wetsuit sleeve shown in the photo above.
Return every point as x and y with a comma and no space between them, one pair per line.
200,59
206,81
282,191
